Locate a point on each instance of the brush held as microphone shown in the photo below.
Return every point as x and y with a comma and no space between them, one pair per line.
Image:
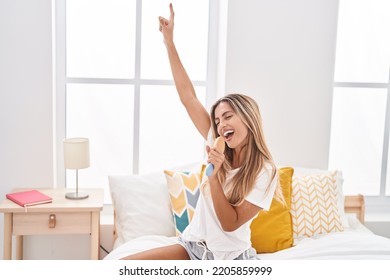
219,144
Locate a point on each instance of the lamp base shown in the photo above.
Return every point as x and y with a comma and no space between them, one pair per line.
75,195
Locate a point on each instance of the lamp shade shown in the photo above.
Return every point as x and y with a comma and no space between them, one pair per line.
76,153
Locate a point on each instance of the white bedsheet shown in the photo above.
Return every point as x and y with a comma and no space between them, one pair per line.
140,244
348,245
356,242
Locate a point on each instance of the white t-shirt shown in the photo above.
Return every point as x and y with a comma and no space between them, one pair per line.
206,227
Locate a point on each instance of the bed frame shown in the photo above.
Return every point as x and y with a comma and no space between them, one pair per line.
355,204
352,204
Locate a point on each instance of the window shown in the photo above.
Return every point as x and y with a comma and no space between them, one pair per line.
114,84
361,107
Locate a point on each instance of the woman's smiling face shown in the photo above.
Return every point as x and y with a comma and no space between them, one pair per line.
230,126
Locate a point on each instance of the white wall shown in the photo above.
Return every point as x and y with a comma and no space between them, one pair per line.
282,53
25,94
26,116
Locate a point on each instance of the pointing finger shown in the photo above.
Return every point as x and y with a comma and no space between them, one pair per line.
172,13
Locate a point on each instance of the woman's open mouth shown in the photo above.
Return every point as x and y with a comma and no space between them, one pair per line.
228,134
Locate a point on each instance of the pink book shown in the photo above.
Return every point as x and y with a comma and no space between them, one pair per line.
29,198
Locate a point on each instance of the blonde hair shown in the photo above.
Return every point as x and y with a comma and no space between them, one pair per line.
256,154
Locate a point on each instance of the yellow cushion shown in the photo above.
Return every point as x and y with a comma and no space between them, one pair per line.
184,189
271,230
314,205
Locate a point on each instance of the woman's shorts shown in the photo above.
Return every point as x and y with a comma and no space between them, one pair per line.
199,251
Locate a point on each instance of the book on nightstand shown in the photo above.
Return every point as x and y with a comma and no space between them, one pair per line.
29,198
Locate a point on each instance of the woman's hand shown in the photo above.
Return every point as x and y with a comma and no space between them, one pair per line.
216,158
166,26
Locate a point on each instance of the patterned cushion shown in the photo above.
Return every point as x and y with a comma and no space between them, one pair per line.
184,189
271,230
314,205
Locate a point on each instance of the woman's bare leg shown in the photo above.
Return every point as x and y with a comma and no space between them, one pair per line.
171,252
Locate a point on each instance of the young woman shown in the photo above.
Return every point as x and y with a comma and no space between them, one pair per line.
244,179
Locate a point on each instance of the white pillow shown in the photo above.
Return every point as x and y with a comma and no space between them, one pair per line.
142,206
339,182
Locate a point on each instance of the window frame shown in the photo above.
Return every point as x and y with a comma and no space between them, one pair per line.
381,199
376,203
214,83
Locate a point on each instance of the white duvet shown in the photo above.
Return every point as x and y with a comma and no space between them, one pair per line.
346,245
356,242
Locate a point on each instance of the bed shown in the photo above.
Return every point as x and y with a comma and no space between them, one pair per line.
147,216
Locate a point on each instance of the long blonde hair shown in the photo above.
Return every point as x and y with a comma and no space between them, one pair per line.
256,154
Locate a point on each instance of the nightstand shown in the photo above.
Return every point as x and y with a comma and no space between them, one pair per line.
62,216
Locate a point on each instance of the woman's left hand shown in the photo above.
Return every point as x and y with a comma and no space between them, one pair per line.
216,158
166,26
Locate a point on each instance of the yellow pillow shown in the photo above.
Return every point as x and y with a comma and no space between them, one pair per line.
272,230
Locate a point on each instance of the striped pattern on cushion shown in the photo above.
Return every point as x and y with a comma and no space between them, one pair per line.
184,189
314,207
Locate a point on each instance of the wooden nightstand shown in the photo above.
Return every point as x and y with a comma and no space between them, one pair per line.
62,216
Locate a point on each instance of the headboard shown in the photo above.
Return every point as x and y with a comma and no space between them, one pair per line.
355,204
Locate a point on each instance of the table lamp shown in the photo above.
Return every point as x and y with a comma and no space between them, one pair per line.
76,156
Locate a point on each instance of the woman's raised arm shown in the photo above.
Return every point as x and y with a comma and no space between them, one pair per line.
198,114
